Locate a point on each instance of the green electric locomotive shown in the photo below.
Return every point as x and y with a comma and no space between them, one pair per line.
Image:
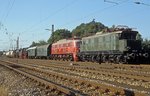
118,46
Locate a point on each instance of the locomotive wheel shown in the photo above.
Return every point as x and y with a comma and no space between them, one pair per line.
118,60
124,60
93,58
98,59
83,58
104,59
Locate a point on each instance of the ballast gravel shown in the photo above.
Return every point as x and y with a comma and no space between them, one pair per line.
18,85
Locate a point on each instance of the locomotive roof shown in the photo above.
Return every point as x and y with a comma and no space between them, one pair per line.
101,34
104,34
65,41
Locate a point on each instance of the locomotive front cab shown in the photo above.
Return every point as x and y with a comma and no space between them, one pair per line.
128,41
130,46
76,48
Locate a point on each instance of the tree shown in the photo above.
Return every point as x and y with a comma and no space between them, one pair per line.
33,44
146,44
87,29
139,37
59,34
41,42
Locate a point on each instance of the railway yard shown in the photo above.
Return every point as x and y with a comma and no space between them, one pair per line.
27,77
90,52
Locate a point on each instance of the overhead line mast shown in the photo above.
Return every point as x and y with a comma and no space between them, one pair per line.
52,34
18,43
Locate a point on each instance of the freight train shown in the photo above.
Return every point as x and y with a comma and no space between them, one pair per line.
118,46
65,49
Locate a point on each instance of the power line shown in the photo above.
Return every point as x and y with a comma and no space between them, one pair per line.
10,6
98,11
3,15
142,3
9,10
2,24
59,10
108,1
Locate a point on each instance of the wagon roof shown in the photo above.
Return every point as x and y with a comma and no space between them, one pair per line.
32,48
43,46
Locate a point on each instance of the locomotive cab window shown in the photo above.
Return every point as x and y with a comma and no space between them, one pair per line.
128,35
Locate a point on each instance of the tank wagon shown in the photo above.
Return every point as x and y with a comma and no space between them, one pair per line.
11,53
118,46
66,49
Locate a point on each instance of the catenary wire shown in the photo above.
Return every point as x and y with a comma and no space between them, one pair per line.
56,12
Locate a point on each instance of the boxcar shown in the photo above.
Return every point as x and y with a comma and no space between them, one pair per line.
43,52
31,52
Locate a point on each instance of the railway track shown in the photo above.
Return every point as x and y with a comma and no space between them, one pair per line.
93,66
47,85
89,85
140,80
77,85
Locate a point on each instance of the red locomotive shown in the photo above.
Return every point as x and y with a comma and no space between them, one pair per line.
66,49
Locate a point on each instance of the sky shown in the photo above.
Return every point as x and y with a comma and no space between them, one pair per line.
28,19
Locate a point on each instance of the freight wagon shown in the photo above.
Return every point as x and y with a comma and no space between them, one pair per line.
43,52
31,52
11,53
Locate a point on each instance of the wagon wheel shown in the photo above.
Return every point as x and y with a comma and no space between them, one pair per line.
93,58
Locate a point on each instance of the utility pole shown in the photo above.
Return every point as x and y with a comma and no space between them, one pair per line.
52,33
17,43
52,30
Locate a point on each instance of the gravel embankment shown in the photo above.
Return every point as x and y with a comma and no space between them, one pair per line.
17,85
